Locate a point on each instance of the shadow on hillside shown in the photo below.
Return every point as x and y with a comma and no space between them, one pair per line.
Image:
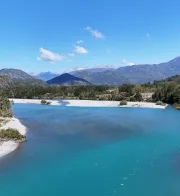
63,102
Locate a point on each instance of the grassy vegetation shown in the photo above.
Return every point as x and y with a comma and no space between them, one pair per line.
3,121
11,134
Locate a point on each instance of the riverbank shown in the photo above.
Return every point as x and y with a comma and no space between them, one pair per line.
90,103
7,147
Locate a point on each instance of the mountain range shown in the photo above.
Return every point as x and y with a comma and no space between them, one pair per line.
45,76
108,75
136,74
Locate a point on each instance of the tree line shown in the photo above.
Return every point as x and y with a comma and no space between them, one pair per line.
167,91
127,92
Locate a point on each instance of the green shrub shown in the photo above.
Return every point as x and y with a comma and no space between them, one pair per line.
159,103
149,99
43,102
133,99
11,134
138,97
123,102
177,106
5,107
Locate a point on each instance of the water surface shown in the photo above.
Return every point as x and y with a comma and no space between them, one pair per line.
94,151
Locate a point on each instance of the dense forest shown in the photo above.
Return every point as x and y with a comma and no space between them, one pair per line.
125,92
167,91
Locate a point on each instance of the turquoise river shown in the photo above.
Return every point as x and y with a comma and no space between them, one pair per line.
75,151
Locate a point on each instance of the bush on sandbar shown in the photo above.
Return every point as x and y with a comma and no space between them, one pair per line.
11,134
159,103
44,102
123,102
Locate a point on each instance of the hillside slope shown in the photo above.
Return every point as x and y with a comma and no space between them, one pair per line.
5,82
175,78
67,80
20,77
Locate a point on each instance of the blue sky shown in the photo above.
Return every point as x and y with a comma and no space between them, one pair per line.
57,35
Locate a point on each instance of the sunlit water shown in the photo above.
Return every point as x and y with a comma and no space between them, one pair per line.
94,152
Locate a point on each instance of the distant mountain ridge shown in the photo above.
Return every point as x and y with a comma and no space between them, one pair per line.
19,76
67,80
93,69
45,76
136,74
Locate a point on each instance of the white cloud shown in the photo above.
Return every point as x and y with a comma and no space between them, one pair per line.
95,33
48,56
78,50
79,41
127,63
